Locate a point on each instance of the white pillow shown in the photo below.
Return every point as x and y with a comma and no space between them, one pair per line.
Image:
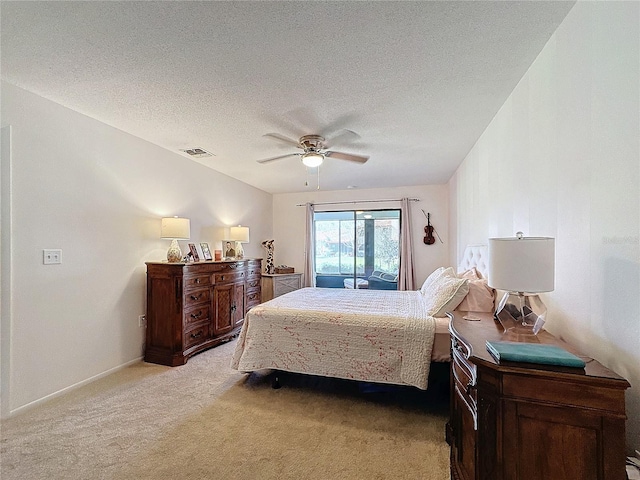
435,276
445,294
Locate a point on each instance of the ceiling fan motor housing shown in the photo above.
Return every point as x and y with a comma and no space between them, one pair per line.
311,143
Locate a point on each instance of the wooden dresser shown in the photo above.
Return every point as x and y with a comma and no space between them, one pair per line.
195,306
276,284
518,422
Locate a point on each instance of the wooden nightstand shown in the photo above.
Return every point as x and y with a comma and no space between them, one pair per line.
276,284
519,422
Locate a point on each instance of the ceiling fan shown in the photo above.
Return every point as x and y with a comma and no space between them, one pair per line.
314,149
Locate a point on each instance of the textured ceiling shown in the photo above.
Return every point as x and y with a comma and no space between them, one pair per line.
417,81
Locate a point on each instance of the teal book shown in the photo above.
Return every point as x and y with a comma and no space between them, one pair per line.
540,353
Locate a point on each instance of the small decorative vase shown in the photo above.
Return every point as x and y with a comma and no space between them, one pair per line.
174,254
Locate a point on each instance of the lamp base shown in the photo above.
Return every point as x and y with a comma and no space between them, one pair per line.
521,314
174,254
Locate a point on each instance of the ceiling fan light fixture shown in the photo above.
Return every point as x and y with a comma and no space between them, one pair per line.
312,159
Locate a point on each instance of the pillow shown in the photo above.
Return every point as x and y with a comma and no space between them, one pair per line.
435,275
445,294
389,277
471,274
481,297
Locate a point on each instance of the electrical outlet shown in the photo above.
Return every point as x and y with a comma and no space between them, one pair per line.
142,321
52,256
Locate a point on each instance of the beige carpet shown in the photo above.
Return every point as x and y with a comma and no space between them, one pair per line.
206,421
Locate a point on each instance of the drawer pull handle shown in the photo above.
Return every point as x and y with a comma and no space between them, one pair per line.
196,315
470,387
197,280
195,297
196,335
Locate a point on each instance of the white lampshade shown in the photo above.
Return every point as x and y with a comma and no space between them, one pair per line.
239,234
522,264
175,228
312,159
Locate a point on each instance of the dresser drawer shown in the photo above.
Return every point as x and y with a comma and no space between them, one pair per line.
253,284
229,277
192,282
196,335
196,296
254,271
255,265
197,314
253,298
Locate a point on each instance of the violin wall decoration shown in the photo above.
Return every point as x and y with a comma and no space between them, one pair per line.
429,230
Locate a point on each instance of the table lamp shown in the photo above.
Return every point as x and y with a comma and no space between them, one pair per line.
240,235
523,267
175,228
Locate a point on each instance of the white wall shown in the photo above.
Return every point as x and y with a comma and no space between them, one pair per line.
289,221
98,194
562,158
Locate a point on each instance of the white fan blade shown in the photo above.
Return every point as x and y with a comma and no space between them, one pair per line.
279,157
346,156
282,138
345,136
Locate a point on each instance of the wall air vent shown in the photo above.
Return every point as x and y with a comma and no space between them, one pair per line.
197,152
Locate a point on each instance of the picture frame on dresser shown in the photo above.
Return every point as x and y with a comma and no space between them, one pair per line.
206,253
229,249
194,252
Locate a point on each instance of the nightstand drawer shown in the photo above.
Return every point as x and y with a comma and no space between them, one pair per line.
465,380
460,347
286,285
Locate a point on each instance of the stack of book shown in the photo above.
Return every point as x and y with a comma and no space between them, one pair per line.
540,353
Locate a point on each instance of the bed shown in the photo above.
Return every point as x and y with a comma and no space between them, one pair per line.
376,336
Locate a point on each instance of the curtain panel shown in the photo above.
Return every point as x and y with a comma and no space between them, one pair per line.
406,276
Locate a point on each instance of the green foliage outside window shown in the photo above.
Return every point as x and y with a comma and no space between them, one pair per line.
339,246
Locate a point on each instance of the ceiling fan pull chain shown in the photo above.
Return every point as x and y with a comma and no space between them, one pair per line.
318,188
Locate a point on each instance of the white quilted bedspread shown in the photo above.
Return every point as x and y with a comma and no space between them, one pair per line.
369,335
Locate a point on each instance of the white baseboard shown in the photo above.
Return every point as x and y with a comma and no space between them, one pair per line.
45,399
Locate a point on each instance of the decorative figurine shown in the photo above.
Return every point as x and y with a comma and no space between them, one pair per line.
269,267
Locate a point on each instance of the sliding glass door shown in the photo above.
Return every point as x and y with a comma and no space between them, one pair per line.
353,245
